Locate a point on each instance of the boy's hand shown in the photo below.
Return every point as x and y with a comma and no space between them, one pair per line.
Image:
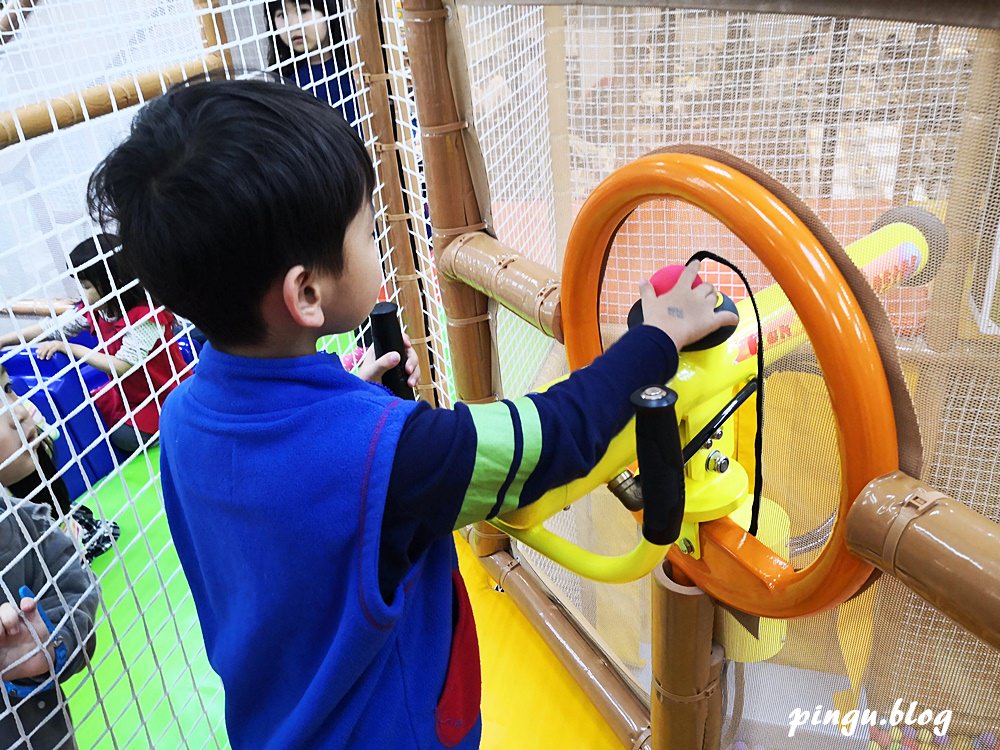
686,315
16,641
47,349
372,369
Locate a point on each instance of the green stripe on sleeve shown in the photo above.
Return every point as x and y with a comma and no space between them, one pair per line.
494,454
531,431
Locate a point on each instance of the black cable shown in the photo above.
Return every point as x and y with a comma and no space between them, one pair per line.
758,478
698,441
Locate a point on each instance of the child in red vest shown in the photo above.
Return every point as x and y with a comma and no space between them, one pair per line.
136,343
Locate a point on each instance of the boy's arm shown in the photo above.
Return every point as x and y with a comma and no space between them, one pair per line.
137,343
28,334
479,461
48,329
455,467
106,363
38,307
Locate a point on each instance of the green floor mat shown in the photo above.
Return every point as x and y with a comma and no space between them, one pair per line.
151,685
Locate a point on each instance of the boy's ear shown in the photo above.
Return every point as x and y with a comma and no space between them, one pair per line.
303,296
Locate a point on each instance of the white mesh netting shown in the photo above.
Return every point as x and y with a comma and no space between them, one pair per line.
856,117
135,673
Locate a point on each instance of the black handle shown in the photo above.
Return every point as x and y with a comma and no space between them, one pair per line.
388,337
661,464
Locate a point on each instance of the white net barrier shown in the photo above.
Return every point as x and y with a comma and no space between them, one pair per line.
857,117
508,78
410,166
82,522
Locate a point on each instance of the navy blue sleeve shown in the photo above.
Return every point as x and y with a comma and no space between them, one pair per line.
441,450
581,415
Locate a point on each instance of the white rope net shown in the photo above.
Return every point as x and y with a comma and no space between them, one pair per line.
135,673
857,117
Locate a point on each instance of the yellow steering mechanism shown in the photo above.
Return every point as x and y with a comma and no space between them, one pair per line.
695,496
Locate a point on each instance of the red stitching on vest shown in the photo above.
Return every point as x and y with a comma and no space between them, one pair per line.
362,505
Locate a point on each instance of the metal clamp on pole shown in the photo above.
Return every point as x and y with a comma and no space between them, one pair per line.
661,463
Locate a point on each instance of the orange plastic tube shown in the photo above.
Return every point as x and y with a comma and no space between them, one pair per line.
734,567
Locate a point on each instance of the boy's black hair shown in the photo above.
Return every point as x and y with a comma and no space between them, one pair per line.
279,54
96,260
221,187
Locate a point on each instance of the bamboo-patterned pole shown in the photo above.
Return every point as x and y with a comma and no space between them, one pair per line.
388,166
213,32
451,193
602,683
33,120
686,706
526,288
400,93
455,210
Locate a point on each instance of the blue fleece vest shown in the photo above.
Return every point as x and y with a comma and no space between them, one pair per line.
274,478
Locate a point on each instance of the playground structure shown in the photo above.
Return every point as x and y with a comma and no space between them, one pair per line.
514,133
801,98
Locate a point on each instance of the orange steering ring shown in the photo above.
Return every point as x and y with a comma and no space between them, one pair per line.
734,567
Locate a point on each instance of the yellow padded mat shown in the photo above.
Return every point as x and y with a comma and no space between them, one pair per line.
529,701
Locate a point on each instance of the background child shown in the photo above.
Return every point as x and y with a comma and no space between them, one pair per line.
36,431
309,48
136,343
32,474
47,629
313,512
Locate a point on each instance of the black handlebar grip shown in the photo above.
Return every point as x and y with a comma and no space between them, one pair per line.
388,337
661,463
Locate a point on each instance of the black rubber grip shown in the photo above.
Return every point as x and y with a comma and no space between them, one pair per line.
661,464
388,337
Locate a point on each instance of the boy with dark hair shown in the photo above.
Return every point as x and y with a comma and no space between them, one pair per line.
312,511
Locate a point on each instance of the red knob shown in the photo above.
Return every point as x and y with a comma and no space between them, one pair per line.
665,279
